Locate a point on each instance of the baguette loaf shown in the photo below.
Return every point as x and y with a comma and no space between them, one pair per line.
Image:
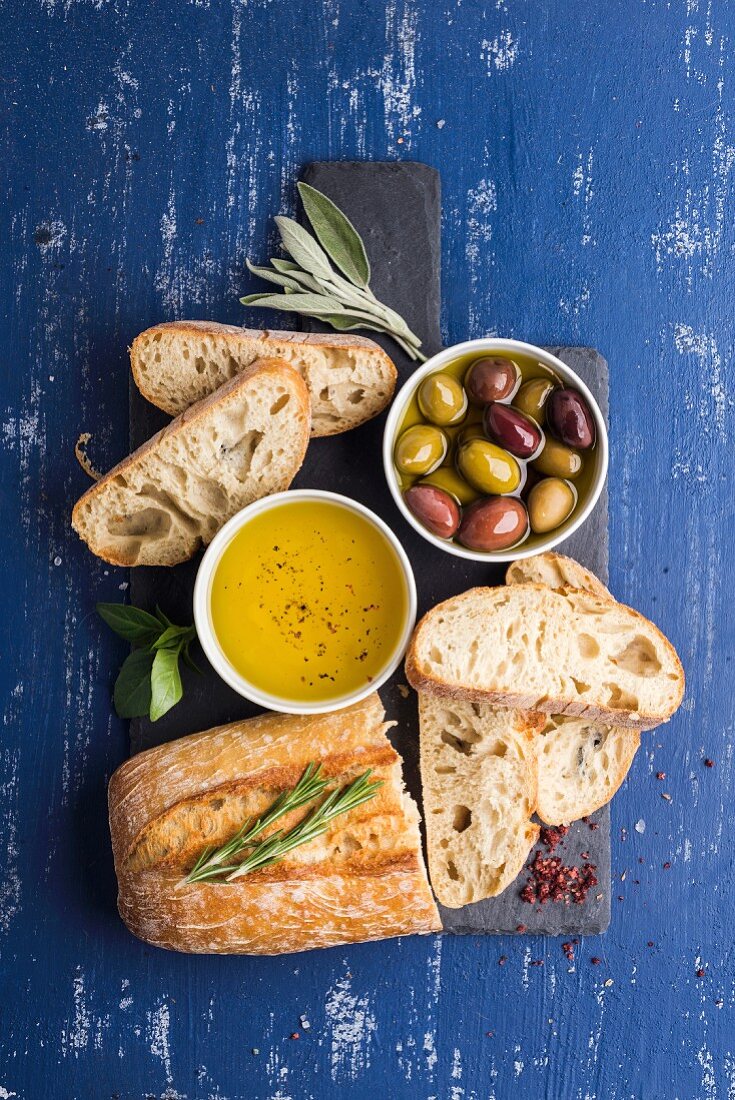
555,571
362,880
479,779
531,648
350,379
173,494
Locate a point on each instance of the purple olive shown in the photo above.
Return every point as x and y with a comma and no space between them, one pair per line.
569,419
435,509
491,379
513,430
495,523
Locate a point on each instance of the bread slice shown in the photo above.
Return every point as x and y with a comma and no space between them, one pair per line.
173,494
581,766
364,879
479,780
350,379
555,571
528,647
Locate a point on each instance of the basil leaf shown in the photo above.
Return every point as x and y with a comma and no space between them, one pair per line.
311,304
164,618
130,623
303,248
132,694
166,689
272,276
174,637
189,660
337,235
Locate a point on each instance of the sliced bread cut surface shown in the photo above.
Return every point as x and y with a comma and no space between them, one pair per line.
528,647
174,493
479,776
350,379
555,571
581,766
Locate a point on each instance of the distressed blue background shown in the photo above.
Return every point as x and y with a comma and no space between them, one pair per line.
587,155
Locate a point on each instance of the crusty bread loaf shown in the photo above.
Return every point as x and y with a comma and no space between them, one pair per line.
555,571
479,779
350,378
528,647
581,766
362,880
173,494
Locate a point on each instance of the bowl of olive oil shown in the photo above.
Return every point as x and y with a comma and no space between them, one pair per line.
304,602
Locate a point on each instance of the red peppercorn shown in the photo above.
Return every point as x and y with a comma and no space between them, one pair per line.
521,928
660,775
295,1035
650,943
595,961
502,960
709,763
700,972
667,865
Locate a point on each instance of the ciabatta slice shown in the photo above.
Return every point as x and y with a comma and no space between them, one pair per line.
350,379
555,571
581,766
174,493
528,647
479,776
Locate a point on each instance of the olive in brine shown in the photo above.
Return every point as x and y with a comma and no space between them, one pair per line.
441,399
496,523
487,467
532,397
435,509
447,478
509,428
491,379
556,460
570,420
420,450
550,503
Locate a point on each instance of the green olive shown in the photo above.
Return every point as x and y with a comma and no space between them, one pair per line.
487,467
472,431
556,460
532,397
447,478
550,502
441,399
420,450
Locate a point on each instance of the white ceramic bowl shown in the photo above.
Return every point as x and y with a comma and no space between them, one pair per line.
203,616
492,346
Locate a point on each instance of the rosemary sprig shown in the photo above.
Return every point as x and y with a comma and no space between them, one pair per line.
311,285
214,863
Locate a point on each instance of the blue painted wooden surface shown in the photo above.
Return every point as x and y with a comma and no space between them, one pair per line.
587,154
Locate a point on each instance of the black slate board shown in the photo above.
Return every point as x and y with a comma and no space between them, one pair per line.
391,204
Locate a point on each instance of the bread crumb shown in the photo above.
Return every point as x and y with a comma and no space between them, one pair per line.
82,457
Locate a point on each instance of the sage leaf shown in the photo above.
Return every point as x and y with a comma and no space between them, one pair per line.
313,305
337,235
131,623
132,694
303,248
284,266
272,276
346,322
165,680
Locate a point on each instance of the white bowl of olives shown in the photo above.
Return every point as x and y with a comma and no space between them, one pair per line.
495,450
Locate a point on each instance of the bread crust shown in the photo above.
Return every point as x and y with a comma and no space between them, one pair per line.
225,395
520,701
313,898
236,335
569,572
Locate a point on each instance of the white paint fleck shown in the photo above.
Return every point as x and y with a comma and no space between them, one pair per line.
158,1036
640,826
500,53
398,74
75,1036
709,399
352,1025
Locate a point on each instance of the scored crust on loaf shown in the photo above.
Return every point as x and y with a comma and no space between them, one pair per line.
528,647
364,879
479,781
555,571
174,493
350,378
581,766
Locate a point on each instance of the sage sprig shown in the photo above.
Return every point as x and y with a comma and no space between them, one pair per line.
149,682
328,276
215,863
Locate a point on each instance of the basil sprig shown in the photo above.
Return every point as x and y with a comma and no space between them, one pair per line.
328,275
149,682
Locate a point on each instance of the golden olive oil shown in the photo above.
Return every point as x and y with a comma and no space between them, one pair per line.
309,601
